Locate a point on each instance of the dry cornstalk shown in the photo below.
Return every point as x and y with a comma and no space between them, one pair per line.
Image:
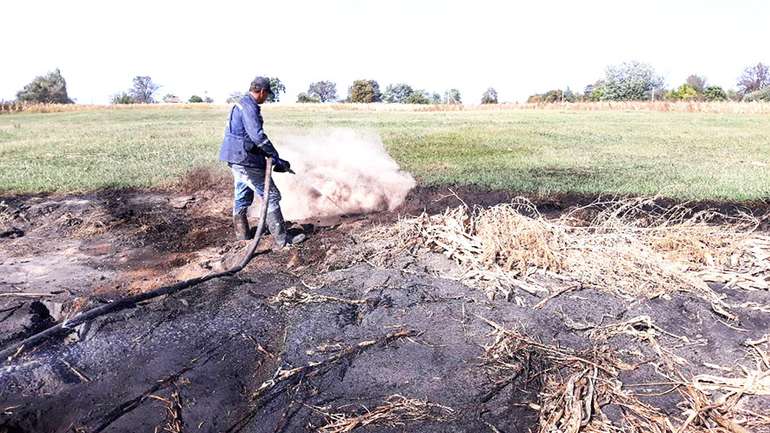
576,386
631,247
295,296
397,410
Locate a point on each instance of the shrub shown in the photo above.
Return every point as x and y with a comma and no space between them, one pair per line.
761,95
397,93
418,97
170,98
489,96
365,91
304,98
714,93
685,92
195,99
46,89
697,82
452,96
122,98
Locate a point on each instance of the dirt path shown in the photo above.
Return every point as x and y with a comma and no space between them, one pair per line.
312,339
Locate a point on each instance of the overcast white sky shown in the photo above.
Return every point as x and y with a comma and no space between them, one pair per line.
518,47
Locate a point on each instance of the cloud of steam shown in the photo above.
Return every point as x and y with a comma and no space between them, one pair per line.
339,171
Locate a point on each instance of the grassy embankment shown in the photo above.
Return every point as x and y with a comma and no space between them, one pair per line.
675,154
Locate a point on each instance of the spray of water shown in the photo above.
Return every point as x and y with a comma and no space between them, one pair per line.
339,171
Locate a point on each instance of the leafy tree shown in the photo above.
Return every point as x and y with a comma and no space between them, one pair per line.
594,92
489,97
170,98
122,98
568,95
234,97
418,97
754,78
143,89
323,91
304,98
685,92
631,81
46,89
397,93
697,82
556,95
195,99
435,98
535,99
452,96
365,91
276,88
714,93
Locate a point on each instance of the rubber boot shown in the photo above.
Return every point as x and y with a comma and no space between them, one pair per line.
277,228
241,225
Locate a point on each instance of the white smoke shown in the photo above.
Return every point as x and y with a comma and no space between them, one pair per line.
339,171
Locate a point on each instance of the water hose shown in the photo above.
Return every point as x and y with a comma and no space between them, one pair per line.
15,349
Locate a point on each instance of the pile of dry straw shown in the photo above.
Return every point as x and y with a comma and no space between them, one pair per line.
633,247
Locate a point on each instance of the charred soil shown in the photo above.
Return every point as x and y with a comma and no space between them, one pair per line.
320,337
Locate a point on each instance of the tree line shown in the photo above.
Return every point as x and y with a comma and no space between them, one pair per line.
630,81
636,81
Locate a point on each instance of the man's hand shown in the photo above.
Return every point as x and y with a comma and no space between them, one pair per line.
281,166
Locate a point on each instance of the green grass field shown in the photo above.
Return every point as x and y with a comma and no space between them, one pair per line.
678,155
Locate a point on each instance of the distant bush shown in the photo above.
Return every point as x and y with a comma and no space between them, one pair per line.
46,89
418,97
276,88
171,99
630,81
685,92
304,98
551,96
452,96
195,99
143,89
489,96
697,82
234,97
365,91
397,93
754,78
323,91
762,95
714,93
122,98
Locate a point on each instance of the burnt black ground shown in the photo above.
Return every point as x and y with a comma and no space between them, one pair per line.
208,336
214,345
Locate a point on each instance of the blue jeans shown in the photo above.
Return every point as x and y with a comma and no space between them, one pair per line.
249,181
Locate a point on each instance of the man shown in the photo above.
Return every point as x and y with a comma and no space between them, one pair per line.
245,148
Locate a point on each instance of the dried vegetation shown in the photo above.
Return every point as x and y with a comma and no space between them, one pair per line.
577,388
633,248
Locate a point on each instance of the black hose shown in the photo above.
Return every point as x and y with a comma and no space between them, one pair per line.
130,301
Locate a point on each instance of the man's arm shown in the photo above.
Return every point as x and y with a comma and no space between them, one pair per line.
252,121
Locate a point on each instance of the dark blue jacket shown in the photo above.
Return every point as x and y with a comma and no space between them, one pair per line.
245,141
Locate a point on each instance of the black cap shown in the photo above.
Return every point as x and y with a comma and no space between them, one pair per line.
259,83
